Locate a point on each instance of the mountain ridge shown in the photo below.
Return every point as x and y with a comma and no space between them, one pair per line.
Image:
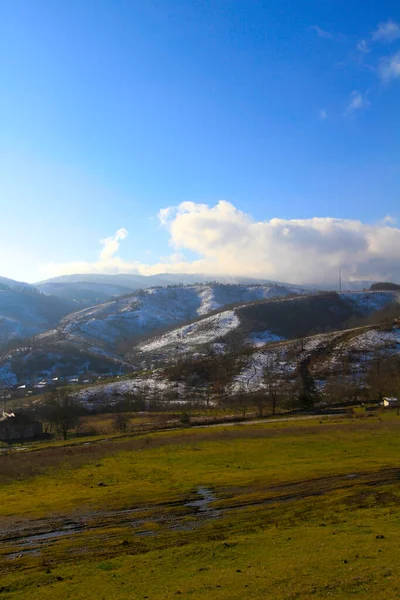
112,337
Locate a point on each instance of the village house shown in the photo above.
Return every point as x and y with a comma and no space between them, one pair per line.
18,426
390,402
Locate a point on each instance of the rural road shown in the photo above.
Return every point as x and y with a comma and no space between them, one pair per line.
206,425
270,421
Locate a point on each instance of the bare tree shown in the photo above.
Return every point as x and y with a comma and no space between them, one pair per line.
62,410
121,422
271,380
379,376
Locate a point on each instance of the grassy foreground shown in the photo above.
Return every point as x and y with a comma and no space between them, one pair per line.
293,511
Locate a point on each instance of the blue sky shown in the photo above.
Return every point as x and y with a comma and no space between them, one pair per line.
112,111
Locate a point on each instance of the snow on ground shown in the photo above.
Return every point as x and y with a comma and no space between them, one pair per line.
251,377
374,339
359,349
47,335
283,359
200,332
155,388
217,296
147,310
368,302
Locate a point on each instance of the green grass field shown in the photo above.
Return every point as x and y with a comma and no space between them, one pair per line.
295,510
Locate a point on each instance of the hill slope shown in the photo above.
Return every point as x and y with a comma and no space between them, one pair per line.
139,314
120,335
257,323
103,333
90,289
83,294
24,312
346,354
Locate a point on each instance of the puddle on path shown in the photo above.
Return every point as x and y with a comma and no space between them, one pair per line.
199,511
180,515
202,504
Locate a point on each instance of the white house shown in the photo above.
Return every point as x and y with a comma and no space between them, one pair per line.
390,402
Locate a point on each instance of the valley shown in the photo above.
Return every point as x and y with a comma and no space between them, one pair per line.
209,441
298,509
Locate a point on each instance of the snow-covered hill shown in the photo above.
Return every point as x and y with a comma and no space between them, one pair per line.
257,323
156,324
195,334
107,331
90,289
325,352
140,314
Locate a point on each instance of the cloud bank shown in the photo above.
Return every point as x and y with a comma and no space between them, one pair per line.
387,32
227,241
389,68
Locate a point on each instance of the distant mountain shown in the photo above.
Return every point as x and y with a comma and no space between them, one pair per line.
93,288
12,284
385,285
25,312
88,290
129,280
347,286
83,294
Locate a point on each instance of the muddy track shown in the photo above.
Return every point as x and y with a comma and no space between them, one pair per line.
324,485
31,537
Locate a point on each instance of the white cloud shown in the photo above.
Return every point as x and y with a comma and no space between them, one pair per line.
387,32
111,244
228,241
389,220
363,47
106,263
390,68
357,101
322,32
164,214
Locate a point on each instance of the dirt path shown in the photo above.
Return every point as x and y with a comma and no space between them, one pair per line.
31,537
271,421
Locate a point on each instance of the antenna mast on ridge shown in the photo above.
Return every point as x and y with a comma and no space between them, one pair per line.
340,281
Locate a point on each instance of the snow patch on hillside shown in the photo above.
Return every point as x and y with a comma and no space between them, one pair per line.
372,340
154,387
160,308
282,359
197,333
368,302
